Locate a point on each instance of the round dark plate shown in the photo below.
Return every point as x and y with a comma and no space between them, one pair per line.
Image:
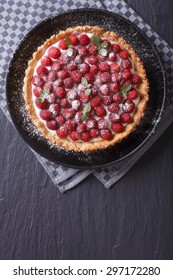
53,25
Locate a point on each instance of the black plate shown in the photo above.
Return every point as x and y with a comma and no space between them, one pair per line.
140,43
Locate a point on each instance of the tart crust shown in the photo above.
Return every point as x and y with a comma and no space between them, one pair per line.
143,90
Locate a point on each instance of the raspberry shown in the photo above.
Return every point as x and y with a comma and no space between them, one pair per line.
136,79
84,68
70,125
126,64
128,82
37,91
68,83
81,127
45,115
104,67
94,69
104,89
89,77
108,44
63,45
60,92
72,53
113,117
85,136
123,54
41,71
54,52
51,98
105,77
72,94
91,123
78,116
62,132
95,101
58,83
132,94
100,111
116,77
63,74
52,124
48,86
102,123
113,108
64,103
78,59
114,87
84,39
92,49
74,135
37,81
60,119
112,56
64,58
76,76
101,57
56,66
71,66
117,127
116,98
116,48
106,134
83,51
52,76
84,98
114,67
128,106
97,82
76,104
94,91
94,132
92,59
126,74
125,117
68,113
107,100
54,109
46,61
42,105
74,40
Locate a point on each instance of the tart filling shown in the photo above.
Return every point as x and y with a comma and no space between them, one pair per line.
85,88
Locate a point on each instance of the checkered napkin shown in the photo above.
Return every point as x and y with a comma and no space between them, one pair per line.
18,17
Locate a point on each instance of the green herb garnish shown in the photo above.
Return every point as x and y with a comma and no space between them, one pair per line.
125,89
86,112
68,42
86,85
99,45
43,95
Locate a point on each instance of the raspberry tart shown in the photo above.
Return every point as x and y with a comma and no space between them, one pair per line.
85,89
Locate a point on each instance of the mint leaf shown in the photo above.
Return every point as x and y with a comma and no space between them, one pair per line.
46,90
84,82
96,40
88,91
103,45
125,89
84,118
87,109
68,42
40,99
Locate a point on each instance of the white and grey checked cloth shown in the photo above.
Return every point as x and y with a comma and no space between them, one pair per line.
18,17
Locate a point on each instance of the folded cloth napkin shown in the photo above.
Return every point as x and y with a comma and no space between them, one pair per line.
18,17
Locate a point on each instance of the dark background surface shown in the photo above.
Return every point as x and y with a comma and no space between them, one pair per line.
133,220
